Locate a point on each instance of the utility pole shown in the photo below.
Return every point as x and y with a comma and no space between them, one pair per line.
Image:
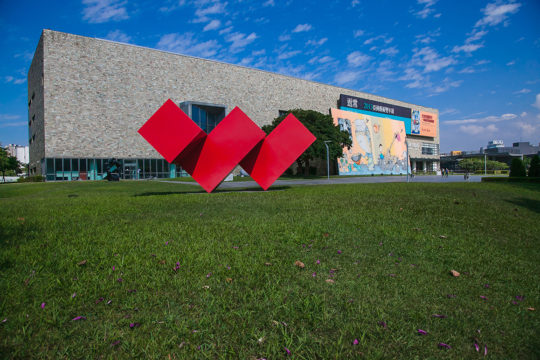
485,163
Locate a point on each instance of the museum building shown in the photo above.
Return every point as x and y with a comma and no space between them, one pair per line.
88,97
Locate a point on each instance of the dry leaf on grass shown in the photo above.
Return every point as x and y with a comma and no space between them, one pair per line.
299,264
454,273
81,263
330,281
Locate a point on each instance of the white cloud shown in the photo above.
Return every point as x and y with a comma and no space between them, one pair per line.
358,33
284,37
288,54
325,59
476,35
510,63
418,80
537,102
226,30
100,11
203,12
212,25
173,6
13,124
118,36
430,60
391,51
527,128
467,70
477,129
467,48
268,3
317,42
446,85
301,28
13,80
487,119
427,9
356,59
347,77
379,37
10,121
448,111
187,44
495,13
355,2
9,117
239,40
429,37
522,91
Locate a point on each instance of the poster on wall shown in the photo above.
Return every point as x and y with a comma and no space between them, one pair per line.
378,144
423,123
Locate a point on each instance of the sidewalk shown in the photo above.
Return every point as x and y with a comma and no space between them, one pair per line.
345,180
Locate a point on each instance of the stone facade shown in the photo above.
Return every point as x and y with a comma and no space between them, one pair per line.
96,94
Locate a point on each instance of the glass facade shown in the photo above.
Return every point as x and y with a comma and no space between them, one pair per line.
206,117
57,169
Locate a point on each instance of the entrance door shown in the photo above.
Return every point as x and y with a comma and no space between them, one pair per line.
130,170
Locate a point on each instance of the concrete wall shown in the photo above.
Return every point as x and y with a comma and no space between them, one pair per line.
98,93
36,110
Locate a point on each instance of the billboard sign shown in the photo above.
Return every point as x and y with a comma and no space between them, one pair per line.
378,144
374,106
423,123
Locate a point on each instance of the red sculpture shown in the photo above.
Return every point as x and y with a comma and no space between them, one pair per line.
235,140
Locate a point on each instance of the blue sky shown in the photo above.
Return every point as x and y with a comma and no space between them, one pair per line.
478,62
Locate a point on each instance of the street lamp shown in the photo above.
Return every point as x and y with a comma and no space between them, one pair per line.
407,148
327,158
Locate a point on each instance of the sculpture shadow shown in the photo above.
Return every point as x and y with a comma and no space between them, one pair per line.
218,191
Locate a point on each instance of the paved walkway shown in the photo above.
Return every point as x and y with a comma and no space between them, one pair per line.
345,180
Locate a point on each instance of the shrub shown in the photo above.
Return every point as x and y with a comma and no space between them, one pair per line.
35,178
534,170
517,169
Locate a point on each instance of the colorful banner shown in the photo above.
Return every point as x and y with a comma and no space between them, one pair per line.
378,144
424,123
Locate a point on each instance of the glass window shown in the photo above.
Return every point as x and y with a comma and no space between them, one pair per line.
195,115
146,167
153,163
50,166
82,166
75,164
58,165
99,166
67,165
159,166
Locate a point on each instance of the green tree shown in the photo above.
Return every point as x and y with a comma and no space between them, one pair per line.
534,169
517,168
7,163
322,126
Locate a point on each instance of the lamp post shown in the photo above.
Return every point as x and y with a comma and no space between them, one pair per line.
327,158
407,148
485,163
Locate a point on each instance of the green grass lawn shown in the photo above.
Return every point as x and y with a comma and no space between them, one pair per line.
377,269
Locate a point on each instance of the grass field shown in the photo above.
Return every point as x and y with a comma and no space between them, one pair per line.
152,270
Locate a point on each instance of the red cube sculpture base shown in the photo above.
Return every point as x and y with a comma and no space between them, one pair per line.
209,158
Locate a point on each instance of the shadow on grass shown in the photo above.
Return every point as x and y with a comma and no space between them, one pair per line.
533,205
222,191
